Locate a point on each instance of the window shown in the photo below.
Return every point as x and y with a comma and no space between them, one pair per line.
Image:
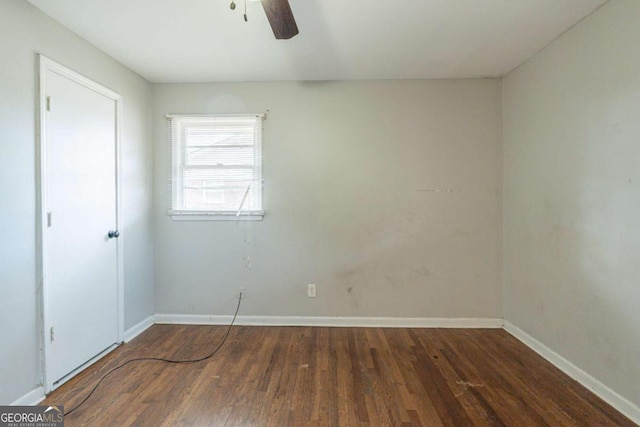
216,167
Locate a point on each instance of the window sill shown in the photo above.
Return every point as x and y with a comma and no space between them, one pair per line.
215,216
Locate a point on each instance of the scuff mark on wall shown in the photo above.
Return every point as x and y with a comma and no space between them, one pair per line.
438,190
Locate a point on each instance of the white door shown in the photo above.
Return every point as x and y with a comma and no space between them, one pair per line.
79,208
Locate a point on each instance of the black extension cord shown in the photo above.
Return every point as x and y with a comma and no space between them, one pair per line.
159,359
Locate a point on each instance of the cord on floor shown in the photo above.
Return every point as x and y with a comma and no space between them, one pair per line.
160,359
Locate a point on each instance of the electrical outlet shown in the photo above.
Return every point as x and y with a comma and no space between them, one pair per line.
311,290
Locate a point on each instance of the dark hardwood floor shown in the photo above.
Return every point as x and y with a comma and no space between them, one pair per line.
302,376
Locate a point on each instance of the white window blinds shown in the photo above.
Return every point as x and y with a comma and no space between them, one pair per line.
216,165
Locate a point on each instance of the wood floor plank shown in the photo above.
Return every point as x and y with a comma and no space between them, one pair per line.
401,344
302,376
439,390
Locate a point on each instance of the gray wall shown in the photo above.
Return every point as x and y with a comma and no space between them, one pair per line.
25,31
572,196
386,194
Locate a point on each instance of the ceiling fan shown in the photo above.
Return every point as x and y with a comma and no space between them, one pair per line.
279,15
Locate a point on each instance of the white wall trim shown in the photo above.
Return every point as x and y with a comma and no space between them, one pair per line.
139,328
620,403
385,322
32,398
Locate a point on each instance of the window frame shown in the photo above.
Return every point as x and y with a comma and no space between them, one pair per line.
177,149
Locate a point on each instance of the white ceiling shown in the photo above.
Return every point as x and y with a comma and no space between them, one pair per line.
203,40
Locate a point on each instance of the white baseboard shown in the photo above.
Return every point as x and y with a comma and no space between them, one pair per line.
32,398
139,328
383,322
620,403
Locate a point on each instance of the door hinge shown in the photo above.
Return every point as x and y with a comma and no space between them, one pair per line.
48,219
52,334
48,103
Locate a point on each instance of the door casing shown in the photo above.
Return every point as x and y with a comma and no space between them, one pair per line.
45,65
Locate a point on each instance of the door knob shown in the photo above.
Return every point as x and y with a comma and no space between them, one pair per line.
113,233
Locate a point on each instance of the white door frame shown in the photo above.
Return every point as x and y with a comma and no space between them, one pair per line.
45,65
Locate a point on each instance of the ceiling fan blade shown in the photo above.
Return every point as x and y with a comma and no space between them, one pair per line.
281,18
